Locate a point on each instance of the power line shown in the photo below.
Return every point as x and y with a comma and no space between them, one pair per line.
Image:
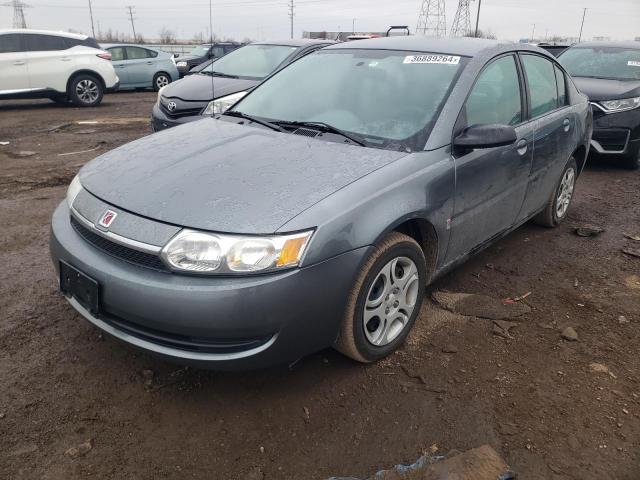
133,27
432,21
462,20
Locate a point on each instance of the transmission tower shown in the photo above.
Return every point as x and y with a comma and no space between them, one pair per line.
462,21
18,12
431,20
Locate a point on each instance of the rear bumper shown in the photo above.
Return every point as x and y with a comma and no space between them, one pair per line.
113,88
221,323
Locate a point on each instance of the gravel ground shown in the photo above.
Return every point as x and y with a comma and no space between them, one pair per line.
535,397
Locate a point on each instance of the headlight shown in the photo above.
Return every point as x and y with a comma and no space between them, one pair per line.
621,105
181,64
222,104
73,190
200,252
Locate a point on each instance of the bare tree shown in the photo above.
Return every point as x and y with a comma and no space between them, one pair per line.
167,37
482,34
198,38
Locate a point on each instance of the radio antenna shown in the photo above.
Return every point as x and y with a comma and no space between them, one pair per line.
213,95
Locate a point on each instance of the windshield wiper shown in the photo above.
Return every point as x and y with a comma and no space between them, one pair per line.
224,75
236,113
324,127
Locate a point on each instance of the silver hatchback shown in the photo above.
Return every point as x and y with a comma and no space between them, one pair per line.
142,67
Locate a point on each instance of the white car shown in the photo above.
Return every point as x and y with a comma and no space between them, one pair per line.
57,65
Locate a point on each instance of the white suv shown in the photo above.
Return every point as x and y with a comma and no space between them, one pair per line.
57,65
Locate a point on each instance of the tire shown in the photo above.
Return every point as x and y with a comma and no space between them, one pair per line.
161,79
558,205
370,338
85,90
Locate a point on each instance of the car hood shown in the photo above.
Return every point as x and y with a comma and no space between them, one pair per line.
198,87
187,58
219,176
604,89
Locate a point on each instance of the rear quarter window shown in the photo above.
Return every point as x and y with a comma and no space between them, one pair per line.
541,78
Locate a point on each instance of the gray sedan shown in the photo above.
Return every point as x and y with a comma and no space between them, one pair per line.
316,210
142,67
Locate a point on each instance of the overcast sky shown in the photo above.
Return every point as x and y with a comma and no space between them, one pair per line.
268,19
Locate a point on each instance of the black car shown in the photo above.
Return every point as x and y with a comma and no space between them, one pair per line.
609,73
554,48
222,82
202,53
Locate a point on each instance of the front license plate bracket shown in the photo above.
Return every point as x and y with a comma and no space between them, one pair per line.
84,289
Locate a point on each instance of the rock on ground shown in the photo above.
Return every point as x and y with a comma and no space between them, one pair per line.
483,306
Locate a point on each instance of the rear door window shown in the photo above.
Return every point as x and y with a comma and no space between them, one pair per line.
136,53
10,43
541,78
562,87
495,97
117,54
44,43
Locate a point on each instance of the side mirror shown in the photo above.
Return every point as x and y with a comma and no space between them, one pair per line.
485,136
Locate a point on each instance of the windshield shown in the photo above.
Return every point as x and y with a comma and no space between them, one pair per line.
253,61
388,98
199,51
602,62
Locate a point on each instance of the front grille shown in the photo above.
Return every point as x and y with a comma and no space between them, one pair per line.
184,112
127,254
183,342
611,139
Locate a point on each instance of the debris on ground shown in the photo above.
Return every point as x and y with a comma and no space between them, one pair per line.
449,348
423,379
307,414
80,450
632,281
2,415
502,328
114,121
635,238
601,368
481,463
634,252
81,151
147,377
4,143
482,306
24,154
58,127
588,230
622,320
510,301
569,334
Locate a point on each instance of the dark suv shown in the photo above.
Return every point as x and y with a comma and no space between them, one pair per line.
609,73
202,53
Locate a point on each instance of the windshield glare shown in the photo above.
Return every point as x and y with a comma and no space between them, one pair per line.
372,93
199,51
602,62
253,61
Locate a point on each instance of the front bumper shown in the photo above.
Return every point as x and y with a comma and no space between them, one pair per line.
616,133
206,321
161,121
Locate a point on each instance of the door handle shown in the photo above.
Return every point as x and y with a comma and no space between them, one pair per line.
566,124
521,147
19,62
65,59
149,63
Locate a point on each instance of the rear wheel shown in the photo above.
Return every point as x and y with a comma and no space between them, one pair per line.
558,206
385,300
160,80
85,91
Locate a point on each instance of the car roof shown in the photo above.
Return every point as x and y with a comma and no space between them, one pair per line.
628,44
302,42
468,47
78,36
148,47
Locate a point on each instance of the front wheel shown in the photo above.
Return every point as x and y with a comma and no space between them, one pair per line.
384,301
558,206
85,91
160,80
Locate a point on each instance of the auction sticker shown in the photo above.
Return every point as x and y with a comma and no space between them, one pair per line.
441,59
631,63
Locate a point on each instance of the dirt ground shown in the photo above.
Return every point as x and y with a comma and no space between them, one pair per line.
535,397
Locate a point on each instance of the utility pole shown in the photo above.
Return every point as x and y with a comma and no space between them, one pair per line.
478,18
584,12
291,14
353,26
93,30
533,32
133,27
432,21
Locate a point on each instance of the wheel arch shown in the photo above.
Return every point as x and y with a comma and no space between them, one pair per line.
86,71
580,154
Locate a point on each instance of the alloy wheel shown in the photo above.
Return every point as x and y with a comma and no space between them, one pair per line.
87,91
565,192
162,81
390,301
